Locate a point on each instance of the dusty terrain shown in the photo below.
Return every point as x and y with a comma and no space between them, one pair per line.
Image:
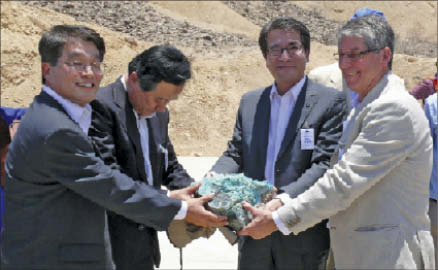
220,40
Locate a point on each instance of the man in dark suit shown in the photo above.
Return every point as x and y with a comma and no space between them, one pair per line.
143,147
58,185
285,133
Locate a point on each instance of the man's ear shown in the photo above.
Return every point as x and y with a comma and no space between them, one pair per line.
133,78
45,69
386,55
307,56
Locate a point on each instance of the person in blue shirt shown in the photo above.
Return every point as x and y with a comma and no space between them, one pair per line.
430,108
7,117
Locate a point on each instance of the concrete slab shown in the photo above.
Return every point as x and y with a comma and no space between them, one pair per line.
212,253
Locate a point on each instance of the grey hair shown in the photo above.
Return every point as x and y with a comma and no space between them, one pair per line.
375,31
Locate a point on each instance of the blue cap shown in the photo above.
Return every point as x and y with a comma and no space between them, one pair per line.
366,12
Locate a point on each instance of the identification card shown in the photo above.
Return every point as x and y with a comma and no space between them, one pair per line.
307,139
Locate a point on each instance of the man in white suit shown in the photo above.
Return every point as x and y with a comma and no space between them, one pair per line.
376,195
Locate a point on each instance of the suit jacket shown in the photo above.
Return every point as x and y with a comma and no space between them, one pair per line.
166,171
377,194
316,107
57,190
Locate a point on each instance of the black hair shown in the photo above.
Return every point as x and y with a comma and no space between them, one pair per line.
160,63
52,42
284,23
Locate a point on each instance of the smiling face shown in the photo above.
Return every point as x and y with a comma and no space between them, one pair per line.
286,69
363,73
77,85
148,102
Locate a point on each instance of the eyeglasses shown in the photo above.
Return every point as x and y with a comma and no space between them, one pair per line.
96,67
291,50
354,56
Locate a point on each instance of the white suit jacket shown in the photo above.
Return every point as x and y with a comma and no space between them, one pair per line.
377,194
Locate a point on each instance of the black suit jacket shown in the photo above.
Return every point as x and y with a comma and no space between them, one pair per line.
57,190
125,234
316,107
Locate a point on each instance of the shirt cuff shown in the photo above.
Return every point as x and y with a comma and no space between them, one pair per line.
182,213
284,198
283,229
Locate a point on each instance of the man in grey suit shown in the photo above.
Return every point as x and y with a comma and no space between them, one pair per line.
58,185
144,150
377,195
285,133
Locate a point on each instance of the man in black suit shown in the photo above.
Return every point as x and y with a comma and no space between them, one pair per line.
285,133
58,186
144,150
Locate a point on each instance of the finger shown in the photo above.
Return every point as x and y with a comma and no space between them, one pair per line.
246,230
206,198
193,189
248,207
217,221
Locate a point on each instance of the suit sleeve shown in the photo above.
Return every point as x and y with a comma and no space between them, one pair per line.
231,159
76,166
175,177
326,143
385,139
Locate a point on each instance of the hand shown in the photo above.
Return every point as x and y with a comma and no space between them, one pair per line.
210,174
261,225
198,215
184,194
273,204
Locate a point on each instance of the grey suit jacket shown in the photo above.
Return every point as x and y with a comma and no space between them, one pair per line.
166,171
57,190
316,107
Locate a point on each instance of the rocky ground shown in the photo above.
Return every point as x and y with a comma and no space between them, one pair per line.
142,21
220,39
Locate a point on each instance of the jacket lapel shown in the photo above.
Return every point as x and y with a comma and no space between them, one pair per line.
127,116
261,130
304,104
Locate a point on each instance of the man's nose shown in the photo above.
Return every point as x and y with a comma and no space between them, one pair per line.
285,55
87,70
344,62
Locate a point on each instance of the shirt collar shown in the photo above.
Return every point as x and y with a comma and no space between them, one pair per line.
354,99
293,92
81,115
139,118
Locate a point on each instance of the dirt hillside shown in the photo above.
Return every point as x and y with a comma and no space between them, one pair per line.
219,38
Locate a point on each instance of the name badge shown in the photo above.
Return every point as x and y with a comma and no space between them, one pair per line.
166,156
307,139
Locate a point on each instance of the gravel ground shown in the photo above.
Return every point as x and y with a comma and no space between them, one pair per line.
143,22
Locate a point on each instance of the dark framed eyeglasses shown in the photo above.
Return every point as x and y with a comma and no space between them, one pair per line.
291,49
354,56
96,67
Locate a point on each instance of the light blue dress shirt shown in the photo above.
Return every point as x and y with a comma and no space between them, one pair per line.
430,108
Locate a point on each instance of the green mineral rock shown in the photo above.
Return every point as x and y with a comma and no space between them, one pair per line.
230,191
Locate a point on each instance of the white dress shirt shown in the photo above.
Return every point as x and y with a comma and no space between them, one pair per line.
81,115
144,141
281,112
